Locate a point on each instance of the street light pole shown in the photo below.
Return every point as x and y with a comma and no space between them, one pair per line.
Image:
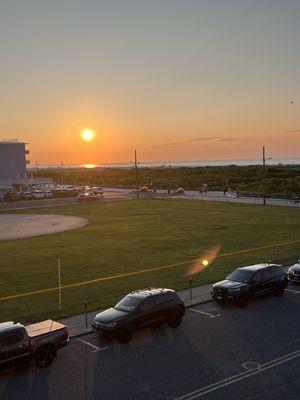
136,174
61,172
264,176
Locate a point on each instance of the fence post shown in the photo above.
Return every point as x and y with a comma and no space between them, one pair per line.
59,285
85,313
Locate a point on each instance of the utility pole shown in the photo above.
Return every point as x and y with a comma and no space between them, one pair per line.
136,174
61,174
264,176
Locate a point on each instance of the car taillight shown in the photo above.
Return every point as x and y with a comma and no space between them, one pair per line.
66,334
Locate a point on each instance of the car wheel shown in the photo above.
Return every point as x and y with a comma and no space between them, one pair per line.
44,356
278,292
174,320
125,335
243,302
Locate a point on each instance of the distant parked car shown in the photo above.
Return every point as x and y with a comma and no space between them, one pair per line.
140,309
38,194
39,341
294,273
96,190
11,196
248,282
23,195
48,193
87,197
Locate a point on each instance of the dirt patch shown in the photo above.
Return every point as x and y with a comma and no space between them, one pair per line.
16,226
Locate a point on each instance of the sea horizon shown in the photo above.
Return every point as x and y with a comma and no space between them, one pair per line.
169,164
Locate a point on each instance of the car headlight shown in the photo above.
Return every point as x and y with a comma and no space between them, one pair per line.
111,324
234,290
291,269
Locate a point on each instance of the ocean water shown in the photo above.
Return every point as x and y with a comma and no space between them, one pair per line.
191,164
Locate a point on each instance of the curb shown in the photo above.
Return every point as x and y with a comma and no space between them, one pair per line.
79,334
199,302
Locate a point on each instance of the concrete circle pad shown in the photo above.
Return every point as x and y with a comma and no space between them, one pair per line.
16,226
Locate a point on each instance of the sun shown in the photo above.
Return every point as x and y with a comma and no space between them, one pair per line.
87,135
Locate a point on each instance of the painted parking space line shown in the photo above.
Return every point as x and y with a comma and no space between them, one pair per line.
259,368
204,313
293,291
96,348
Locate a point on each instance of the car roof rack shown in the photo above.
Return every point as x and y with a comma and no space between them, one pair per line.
148,290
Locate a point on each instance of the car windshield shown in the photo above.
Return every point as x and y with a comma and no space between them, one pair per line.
240,275
129,303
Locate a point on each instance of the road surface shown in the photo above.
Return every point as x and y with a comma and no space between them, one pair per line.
219,352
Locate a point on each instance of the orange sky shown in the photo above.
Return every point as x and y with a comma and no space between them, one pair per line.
175,80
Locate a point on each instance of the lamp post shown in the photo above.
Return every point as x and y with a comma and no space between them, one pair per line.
265,175
61,172
136,174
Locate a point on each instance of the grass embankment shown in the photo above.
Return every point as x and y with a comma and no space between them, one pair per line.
133,235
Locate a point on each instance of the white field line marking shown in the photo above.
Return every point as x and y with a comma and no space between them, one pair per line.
292,291
204,313
239,377
96,348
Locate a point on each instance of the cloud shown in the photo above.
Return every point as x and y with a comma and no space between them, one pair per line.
194,140
228,139
292,131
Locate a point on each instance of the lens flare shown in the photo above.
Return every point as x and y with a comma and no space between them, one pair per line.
203,262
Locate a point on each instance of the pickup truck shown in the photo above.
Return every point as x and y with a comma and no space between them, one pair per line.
39,341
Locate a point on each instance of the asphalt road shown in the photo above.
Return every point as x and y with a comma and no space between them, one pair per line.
218,352
123,194
66,201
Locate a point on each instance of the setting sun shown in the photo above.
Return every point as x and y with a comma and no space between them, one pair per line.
87,135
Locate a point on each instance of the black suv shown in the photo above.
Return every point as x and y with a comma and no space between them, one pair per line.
247,282
140,309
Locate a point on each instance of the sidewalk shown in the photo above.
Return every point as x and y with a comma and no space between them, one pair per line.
211,195
80,324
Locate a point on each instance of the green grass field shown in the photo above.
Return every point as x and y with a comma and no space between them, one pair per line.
133,235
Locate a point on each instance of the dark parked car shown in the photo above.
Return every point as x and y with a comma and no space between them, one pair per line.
294,273
248,282
140,309
88,197
39,341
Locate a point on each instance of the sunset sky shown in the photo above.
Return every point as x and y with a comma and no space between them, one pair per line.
177,80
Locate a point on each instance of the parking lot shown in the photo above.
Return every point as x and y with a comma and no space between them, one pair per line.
219,352
54,202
